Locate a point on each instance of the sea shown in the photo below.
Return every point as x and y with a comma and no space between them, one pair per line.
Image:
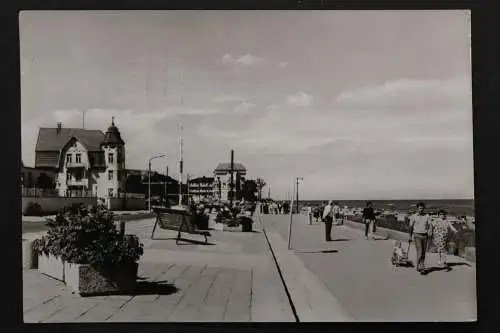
455,207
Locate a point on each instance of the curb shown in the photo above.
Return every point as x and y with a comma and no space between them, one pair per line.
310,299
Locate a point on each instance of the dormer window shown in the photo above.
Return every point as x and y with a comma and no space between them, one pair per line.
69,158
111,158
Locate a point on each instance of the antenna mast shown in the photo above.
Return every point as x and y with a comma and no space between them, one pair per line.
180,168
181,162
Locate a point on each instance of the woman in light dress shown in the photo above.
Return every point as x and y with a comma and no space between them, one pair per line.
441,227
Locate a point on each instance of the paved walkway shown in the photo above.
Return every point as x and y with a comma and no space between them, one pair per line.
234,279
359,275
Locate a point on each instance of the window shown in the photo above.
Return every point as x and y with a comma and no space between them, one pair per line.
78,158
68,176
111,157
69,157
110,175
110,192
79,175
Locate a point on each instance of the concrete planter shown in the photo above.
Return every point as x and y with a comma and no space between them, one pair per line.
86,280
51,266
30,259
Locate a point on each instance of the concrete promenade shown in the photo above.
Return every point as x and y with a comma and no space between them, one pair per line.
362,283
232,280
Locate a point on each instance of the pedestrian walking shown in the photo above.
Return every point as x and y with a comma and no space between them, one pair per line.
336,213
343,214
328,220
309,215
318,211
420,228
441,228
369,220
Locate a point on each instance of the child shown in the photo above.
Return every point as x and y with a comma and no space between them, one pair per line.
399,255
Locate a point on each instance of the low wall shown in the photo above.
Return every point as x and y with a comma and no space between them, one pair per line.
128,204
54,204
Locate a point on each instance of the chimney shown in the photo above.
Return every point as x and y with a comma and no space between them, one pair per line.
59,126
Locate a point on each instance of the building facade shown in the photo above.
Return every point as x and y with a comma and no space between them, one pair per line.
201,188
222,180
86,162
37,181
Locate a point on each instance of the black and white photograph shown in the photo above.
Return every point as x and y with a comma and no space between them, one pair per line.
247,166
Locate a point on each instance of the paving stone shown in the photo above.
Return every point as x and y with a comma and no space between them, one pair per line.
220,289
72,309
187,308
44,311
103,310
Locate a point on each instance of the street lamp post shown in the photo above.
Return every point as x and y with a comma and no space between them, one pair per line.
149,179
166,180
298,179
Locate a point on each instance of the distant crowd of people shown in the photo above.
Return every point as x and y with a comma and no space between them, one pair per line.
275,208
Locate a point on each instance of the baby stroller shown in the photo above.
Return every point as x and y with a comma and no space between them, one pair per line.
399,256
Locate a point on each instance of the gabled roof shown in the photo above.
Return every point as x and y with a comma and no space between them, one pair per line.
54,139
227,167
202,180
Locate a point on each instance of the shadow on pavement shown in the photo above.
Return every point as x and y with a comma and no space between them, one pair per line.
142,287
451,264
186,240
316,251
448,268
341,240
154,288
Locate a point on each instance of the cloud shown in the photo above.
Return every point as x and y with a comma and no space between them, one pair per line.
408,93
249,60
283,64
244,107
228,99
300,99
362,150
228,59
200,112
246,60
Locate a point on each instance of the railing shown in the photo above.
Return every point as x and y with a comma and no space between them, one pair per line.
79,194
75,165
38,192
130,196
77,182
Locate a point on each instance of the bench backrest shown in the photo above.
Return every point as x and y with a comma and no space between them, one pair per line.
172,219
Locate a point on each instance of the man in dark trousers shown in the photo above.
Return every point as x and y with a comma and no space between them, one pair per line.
369,220
328,220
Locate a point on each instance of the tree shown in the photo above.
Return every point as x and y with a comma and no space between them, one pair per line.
45,182
260,185
249,189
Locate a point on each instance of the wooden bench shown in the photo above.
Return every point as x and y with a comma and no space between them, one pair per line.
179,220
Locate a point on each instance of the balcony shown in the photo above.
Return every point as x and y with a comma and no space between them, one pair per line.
77,182
75,165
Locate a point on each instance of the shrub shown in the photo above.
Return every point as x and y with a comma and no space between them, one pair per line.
33,209
88,236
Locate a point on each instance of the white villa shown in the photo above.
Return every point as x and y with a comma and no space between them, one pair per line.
87,162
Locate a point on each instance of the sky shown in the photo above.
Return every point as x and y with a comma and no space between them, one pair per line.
360,104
